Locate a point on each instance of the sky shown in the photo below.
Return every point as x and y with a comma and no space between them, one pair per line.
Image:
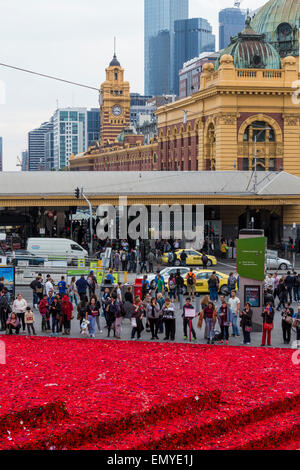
71,39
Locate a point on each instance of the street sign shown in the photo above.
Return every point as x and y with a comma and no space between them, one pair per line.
251,257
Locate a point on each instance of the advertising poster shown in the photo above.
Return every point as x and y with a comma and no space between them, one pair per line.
252,295
8,273
251,257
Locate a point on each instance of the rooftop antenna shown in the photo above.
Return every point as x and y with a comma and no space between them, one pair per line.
115,47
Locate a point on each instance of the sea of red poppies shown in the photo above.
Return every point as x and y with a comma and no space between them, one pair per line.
60,393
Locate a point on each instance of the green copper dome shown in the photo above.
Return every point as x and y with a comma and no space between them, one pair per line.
250,51
279,20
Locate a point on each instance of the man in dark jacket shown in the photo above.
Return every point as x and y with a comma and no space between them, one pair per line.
289,284
82,286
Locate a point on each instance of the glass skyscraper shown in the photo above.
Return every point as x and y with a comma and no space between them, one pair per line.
231,22
160,16
192,37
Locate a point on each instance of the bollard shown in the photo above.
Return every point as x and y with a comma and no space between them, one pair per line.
125,277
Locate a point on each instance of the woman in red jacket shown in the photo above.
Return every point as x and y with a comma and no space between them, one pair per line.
67,314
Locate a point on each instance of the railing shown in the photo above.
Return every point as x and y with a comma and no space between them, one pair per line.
260,74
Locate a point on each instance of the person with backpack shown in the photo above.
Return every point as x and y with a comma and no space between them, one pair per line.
37,291
191,284
204,260
183,257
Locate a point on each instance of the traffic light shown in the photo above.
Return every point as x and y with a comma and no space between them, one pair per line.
77,193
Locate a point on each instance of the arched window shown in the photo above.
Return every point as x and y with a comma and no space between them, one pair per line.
210,148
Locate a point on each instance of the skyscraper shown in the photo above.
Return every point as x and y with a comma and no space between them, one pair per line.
231,22
70,134
36,147
192,37
160,16
1,154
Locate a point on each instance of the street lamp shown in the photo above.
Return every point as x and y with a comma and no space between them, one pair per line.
255,151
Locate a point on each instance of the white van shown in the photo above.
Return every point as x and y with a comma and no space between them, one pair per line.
56,248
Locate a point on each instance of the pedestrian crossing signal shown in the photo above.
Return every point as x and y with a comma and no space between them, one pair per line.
77,193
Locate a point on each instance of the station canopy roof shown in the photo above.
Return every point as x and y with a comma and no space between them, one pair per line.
150,183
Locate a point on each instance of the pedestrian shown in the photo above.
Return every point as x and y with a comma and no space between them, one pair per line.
82,286
179,281
124,260
128,302
72,291
296,324
296,287
55,312
209,315
49,284
159,284
191,284
145,286
231,283
4,310
225,320
289,284
37,291
161,302
137,318
188,320
172,287
92,283
92,312
13,324
213,286
29,321
282,293
116,310
268,316
286,322
82,309
44,311
19,307
169,319
151,259
183,257
62,287
153,314
204,303
234,304
67,314
204,260
246,323
117,261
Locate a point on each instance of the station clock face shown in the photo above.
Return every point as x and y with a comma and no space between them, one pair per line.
117,110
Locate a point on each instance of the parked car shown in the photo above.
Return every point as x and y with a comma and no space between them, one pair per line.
274,262
25,256
194,258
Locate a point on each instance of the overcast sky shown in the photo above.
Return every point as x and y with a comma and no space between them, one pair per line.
72,39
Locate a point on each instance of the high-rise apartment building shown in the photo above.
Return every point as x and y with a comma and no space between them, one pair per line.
159,43
70,134
1,154
192,37
93,125
231,22
36,147
140,109
24,160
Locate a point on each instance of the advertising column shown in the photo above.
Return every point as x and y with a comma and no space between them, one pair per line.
251,264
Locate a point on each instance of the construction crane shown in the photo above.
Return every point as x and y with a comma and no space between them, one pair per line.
19,162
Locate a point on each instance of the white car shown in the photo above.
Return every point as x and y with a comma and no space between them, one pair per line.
274,262
166,273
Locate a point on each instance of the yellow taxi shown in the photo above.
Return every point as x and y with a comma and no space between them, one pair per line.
194,258
202,278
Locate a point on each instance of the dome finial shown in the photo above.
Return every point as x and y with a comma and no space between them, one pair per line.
248,20
115,61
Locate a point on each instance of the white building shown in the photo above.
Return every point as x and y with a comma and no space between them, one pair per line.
70,134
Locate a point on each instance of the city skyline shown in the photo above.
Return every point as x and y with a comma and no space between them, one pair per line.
39,39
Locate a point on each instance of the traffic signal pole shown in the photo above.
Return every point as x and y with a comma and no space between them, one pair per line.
77,195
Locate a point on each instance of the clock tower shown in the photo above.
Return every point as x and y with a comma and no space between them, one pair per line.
114,103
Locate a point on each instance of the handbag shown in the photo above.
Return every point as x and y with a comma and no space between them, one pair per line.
289,319
268,326
248,328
